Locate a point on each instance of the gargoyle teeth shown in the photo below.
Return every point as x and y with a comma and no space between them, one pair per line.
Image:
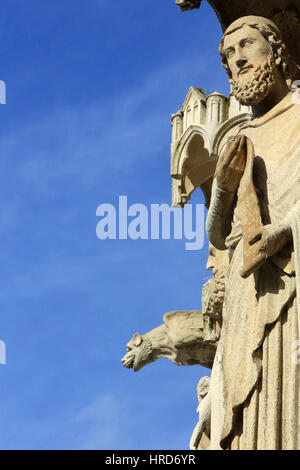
128,363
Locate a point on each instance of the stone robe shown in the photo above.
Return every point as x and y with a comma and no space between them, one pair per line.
255,387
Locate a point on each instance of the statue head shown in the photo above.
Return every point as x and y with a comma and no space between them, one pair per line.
202,388
217,261
255,58
139,352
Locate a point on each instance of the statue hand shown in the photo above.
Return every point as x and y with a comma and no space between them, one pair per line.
231,165
277,236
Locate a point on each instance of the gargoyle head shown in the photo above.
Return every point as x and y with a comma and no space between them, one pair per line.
139,352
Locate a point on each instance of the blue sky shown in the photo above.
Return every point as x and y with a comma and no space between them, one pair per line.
91,86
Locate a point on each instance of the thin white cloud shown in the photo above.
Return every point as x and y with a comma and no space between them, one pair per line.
100,424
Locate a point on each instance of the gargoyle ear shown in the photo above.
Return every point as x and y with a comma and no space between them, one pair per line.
137,339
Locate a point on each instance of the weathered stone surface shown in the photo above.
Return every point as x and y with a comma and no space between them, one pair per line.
249,213
197,129
186,338
214,289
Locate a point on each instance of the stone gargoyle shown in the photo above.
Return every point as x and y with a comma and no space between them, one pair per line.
185,337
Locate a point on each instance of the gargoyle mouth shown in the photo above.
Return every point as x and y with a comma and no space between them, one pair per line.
128,361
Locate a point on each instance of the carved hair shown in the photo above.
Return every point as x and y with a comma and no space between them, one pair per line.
284,61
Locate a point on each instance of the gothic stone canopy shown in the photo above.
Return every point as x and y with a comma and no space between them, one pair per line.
197,131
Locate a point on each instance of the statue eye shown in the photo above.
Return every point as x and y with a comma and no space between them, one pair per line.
248,42
229,53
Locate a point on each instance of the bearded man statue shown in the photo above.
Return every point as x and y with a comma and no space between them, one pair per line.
255,381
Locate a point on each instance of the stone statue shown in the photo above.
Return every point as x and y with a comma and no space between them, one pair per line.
254,390
200,439
186,338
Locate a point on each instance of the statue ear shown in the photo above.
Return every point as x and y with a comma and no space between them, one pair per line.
137,339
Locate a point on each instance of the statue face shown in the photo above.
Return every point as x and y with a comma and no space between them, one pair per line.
211,262
246,50
212,299
217,261
252,65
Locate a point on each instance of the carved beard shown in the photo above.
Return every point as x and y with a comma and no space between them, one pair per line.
255,91
216,298
218,291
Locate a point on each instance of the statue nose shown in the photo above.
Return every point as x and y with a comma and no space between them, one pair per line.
241,63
